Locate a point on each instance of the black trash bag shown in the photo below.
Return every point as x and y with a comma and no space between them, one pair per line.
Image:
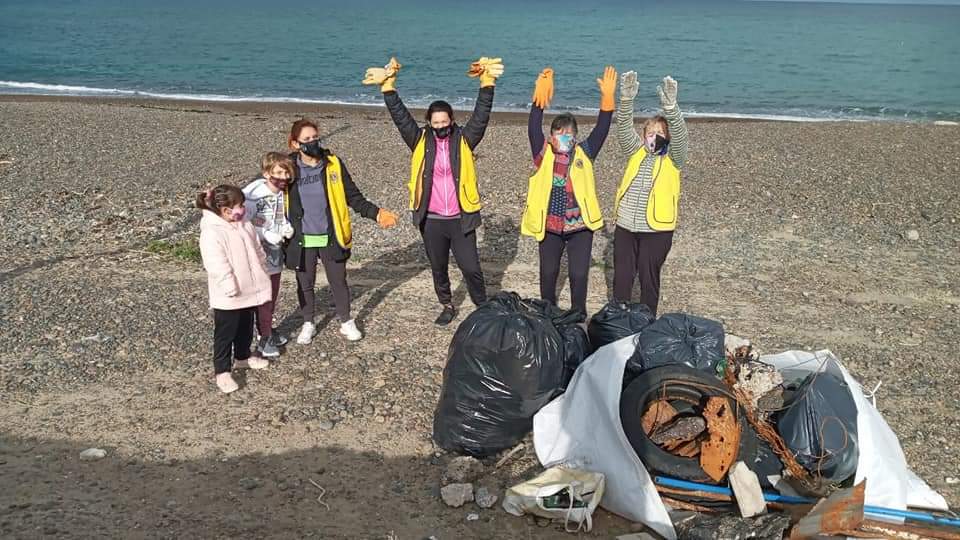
678,338
819,425
507,359
616,320
576,345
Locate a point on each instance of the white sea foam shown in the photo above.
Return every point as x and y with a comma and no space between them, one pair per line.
461,103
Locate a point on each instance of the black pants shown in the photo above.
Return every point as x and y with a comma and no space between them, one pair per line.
440,236
232,333
642,255
336,272
579,246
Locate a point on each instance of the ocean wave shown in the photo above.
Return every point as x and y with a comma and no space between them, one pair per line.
846,114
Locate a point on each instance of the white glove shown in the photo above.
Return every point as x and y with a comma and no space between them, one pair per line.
629,86
287,230
668,93
272,238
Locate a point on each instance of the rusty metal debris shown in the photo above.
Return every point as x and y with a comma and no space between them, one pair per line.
719,452
680,430
658,414
842,511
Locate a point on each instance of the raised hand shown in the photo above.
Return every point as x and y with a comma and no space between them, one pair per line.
668,93
608,86
385,77
629,85
543,89
488,69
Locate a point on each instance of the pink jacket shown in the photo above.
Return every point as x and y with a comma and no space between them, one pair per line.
443,194
235,263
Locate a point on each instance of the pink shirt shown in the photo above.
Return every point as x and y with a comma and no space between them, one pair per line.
443,195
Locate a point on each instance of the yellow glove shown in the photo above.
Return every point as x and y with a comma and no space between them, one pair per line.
386,219
543,89
386,76
608,86
488,69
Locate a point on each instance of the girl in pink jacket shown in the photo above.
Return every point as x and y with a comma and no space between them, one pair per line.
236,279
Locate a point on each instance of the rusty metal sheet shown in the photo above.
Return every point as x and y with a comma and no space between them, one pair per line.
679,430
842,511
719,453
659,413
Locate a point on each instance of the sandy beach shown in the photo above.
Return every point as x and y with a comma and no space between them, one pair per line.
794,235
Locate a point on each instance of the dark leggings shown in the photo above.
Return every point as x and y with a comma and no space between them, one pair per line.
639,255
232,333
440,236
265,312
336,272
579,246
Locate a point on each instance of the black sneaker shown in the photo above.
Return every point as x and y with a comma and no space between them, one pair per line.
446,316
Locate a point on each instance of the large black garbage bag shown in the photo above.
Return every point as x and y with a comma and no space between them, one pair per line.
678,338
615,321
819,425
507,359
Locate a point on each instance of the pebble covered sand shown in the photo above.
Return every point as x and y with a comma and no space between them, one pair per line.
795,235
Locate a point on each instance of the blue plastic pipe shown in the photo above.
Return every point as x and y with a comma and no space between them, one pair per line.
786,499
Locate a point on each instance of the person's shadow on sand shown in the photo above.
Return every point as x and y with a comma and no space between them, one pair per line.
388,271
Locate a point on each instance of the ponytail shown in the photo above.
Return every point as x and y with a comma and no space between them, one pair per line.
220,197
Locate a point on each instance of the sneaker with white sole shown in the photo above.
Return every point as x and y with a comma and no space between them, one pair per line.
254,362
225,382
277,338
307,331
267,348
350,331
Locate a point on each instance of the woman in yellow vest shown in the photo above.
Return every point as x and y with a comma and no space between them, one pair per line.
444,199
562,211
649,194
319,198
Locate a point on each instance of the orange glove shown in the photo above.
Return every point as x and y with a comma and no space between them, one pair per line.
608,86
386,219
543,89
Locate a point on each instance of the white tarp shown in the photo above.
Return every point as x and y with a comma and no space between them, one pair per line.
581,428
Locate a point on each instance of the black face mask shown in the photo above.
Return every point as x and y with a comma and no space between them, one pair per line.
312,149
660,145
442,133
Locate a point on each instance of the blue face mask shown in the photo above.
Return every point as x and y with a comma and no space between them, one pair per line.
564,142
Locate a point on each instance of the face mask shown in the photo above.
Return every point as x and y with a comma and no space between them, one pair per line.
312,149
279,183
443,132
564,142
657,143
236,214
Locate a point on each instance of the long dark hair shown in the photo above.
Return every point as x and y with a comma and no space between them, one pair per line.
220,197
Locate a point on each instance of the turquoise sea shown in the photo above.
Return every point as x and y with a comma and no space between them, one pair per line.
741,58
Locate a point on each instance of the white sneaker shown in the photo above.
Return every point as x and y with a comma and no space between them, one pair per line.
254,362
225,383
307,331
350,331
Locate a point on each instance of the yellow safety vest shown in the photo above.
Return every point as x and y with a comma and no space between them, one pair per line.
339,211
468,194
664,200
534,221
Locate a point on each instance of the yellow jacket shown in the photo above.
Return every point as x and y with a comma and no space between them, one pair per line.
664,200
467,193
534,221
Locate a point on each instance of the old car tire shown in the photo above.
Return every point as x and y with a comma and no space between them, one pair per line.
648,387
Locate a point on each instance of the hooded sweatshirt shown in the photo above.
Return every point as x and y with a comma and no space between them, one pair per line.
236,272
265,209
